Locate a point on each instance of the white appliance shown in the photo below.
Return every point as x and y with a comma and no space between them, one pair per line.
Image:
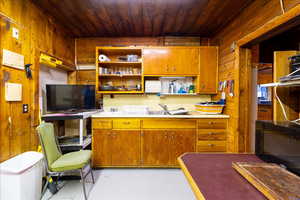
152,86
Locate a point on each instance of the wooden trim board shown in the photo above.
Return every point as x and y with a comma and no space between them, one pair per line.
271,25
190,179
240,142
275,182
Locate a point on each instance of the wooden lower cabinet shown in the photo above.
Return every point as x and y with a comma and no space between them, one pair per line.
101,146
155,147
182,141
154,142
163,147
212,135
126,148
211,146
116,147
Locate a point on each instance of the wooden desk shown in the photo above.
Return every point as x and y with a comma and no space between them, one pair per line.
212,176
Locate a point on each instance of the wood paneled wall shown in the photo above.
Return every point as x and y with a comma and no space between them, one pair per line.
38,33
254,16
85,47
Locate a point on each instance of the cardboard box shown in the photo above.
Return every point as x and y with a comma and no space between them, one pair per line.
72,127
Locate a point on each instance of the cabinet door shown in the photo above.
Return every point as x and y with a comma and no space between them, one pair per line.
126,145
183,61
208,70
155,61
181,141
101,148
171,61
155,148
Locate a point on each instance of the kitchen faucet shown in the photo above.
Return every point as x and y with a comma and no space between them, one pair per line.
165,108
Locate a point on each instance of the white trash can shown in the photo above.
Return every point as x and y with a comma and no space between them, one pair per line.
21,177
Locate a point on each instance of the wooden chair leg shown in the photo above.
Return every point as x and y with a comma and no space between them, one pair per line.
83,184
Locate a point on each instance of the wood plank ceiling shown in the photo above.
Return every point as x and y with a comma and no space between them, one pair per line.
113,18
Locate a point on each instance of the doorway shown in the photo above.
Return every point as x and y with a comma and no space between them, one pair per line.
260,59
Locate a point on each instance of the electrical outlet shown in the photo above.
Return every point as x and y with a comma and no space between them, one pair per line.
25,108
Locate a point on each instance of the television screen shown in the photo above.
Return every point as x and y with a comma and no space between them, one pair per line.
279,142
70,97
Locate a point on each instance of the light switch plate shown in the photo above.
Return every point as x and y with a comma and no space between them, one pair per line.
15,33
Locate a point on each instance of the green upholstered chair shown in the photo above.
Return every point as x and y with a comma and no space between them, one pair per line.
56,162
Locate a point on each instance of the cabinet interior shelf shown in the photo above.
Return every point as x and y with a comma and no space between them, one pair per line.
120,92
120,75
282,84
170,75
178,94
120,63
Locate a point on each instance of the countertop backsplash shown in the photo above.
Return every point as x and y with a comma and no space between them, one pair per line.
152,101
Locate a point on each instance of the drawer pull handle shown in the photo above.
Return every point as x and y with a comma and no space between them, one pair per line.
126,123
211,133
211,123
211,145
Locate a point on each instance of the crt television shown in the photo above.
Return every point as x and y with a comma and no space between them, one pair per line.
279,142
70,97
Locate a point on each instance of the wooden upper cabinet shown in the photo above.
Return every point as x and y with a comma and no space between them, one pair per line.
171,61
208,79
155,61
86,77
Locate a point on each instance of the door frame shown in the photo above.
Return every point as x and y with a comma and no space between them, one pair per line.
243,67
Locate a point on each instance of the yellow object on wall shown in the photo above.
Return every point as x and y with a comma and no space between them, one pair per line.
48,60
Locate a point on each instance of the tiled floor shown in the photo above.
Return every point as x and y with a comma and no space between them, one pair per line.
130,184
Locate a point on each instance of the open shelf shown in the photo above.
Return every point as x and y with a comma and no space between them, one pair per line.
120,92
74,141
120,63
119,74
178,94
282,84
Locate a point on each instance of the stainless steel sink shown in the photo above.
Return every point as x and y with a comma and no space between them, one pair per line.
159,112
162,113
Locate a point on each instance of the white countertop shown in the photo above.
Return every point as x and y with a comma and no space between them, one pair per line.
120,115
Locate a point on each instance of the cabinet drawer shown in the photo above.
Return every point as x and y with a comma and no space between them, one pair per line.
102,124
211,146
212,124
126,124
213,134
161,123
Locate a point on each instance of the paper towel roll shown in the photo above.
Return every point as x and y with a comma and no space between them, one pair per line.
103,58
